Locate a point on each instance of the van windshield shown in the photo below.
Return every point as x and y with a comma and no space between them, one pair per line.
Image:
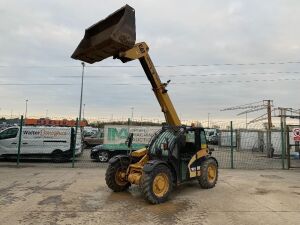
9,133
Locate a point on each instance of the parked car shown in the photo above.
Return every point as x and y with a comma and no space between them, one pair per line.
93,140
53,142
212,136
103,153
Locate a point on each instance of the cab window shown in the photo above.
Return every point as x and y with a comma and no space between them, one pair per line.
202,138
190,142
9,133
190,137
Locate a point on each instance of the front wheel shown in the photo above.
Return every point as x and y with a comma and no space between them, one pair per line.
115,176
157,185
103,156
209,174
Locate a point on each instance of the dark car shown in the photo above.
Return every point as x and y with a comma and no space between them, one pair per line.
93,140
102,154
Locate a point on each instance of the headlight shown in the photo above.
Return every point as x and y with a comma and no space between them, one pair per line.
96,148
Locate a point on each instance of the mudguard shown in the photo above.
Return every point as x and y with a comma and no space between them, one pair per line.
211,157
150,165
123,159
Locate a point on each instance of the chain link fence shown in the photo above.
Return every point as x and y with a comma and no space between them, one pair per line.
233,147
292,144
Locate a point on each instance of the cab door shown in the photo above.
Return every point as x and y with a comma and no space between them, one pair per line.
203,141
9,141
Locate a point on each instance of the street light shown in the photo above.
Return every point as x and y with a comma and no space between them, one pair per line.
132,108
208,119
83,111
80,106
26,108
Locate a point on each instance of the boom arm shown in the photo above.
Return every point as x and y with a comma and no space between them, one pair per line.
140,52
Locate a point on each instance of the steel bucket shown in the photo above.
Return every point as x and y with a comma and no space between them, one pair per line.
108,37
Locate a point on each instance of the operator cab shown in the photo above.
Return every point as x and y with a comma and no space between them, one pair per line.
177,146
189,140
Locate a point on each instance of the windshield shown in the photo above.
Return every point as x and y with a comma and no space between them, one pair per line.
162,138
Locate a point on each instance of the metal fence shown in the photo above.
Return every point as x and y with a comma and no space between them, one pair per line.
236,148
293,146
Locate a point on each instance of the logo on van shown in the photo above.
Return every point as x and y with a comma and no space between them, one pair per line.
45,133
31,132
54,133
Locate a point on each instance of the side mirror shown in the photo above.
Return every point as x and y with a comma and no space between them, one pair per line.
129,139
211,149
163,146
167,143
158,152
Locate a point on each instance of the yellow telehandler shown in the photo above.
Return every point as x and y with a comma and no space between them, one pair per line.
176,153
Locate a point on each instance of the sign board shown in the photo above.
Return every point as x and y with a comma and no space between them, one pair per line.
116,135
296,134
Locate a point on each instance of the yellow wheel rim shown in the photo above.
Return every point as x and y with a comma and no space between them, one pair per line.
211,173
119,177
160,184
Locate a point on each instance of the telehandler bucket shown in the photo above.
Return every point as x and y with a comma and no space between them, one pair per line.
108,37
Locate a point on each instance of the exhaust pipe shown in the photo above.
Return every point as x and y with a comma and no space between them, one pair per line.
108,37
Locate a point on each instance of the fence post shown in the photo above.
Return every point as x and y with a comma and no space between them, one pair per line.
20,141
74,145
287,147
282,144
231,145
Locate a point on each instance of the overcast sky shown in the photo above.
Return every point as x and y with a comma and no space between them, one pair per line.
38,37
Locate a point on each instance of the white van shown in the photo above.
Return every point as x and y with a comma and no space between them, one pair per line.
39,141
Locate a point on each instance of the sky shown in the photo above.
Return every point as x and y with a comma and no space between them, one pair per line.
223,54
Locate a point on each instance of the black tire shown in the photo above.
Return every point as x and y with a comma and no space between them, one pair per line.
58,156
85,145
147,184
103,156
112,180
205,180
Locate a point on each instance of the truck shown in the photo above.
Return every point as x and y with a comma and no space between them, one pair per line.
176,153
115,137
37,142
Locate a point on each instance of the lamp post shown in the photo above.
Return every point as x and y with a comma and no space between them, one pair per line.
83,111
132,108
80,106
208,119
246,121
26,108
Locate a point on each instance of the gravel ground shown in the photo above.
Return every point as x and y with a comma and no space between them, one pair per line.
33,195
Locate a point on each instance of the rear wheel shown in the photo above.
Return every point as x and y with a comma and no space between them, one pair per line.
209,174
103,156
85,145
57,156
115,177
157,185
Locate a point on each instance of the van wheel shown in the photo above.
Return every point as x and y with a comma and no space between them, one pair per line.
85,145
57,156
103,156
